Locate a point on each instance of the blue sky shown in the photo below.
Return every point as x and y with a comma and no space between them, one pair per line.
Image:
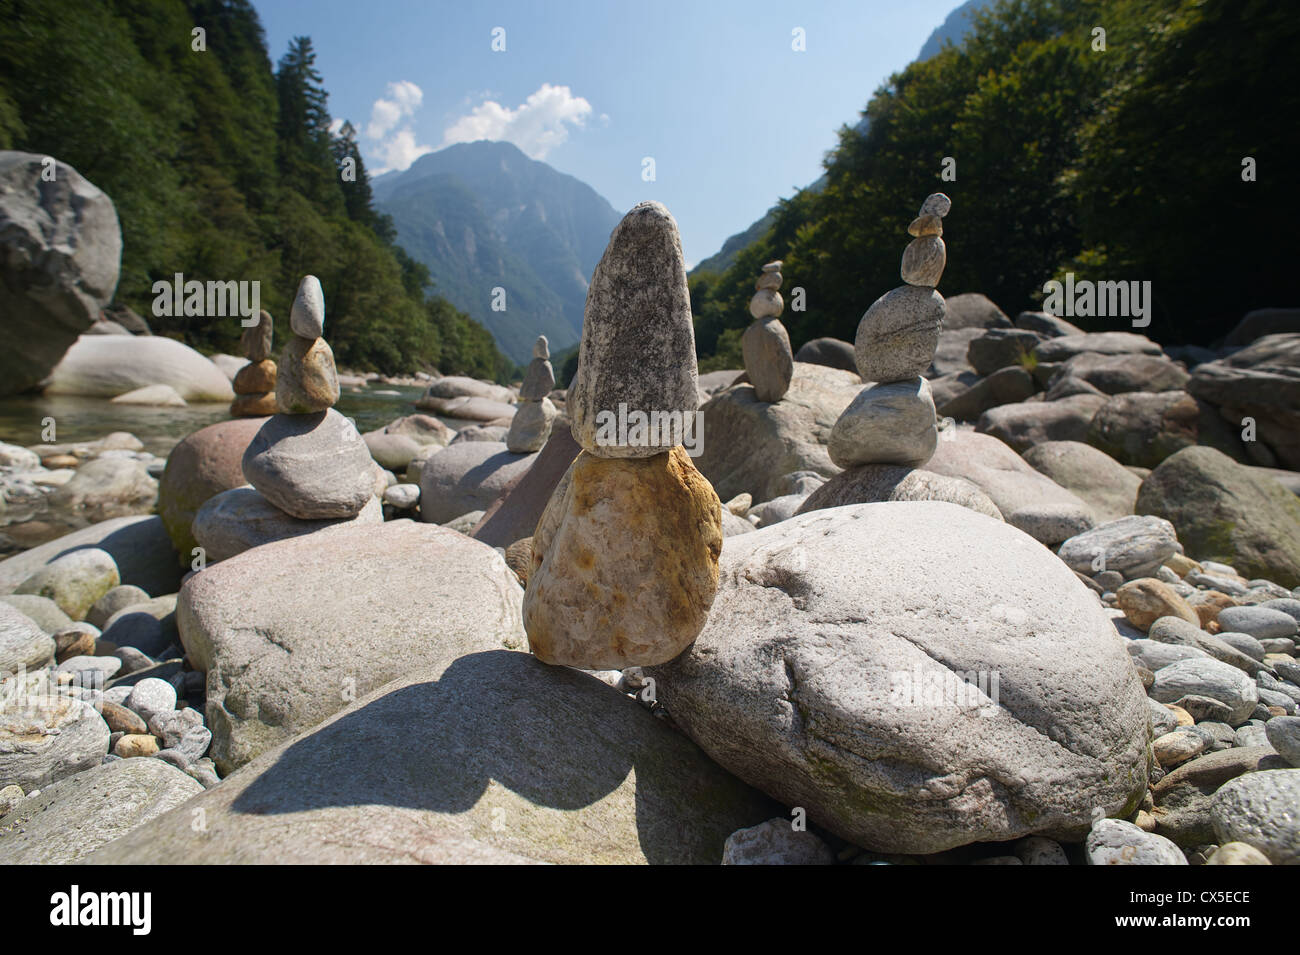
733,117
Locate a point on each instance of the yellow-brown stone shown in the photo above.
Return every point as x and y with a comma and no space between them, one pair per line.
625,562
255,378
254,406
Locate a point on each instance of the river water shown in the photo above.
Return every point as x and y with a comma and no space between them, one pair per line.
22,417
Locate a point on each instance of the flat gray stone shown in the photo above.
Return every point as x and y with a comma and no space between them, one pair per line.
1219,681
1259,809
311,466
234,521
1133,546
890,423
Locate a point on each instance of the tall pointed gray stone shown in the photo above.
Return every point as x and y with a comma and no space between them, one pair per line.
638,343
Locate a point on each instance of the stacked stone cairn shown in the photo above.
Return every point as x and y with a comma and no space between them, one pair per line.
254,384
625,556
531,425
308,460
892,420
769,360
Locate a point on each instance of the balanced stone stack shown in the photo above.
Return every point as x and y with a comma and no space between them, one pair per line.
769,360
531,425
254,384
625,556
308,460
892,420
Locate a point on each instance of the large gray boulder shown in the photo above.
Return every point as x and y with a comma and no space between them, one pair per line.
291,632
873,483
1028,500
1227,512
60,251
1115,374
1028,423
800,681
749,445
1103,343
105,366
1143,428
468,476
1099,480
491,757
73,817
1262,381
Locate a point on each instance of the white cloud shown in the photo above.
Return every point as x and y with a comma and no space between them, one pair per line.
397,147
536,126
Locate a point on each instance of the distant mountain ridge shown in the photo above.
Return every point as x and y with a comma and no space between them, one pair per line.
954,28
483,216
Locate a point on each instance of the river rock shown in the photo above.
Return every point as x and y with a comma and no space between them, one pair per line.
62,248
1219,681
1224,511
467,476
776,842
1178,631
530,427
769,360
898,334
104,488
393,452
284,645
831,352
1116,374
139,546
311,466
1133,546
457,386
974,310
890,482
307,316
625,562
1005,386
239,519
1146,600
44,738
1029,423
923,261
76,580
638,342
1047,325
1066,347
306,380
104,366
515,512
891,423
425,430
255,378
1027,499
489,757
202,465
1283,734
72,818
1000,348
1116,842
821,620
1261,381
1101,482
158,396
1259,809
1144,428
23,645
256,340
749,444
42,611
539,379
1259,622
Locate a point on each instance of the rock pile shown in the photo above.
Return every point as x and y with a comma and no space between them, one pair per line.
306,463
769,360
625,556
531,425
892,421
255,383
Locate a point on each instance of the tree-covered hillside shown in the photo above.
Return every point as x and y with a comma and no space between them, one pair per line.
1117,164
223,168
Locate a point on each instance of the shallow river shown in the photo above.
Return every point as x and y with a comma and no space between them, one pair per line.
84,419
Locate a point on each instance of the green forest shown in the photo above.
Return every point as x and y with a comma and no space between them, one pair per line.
1122,163
222,168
